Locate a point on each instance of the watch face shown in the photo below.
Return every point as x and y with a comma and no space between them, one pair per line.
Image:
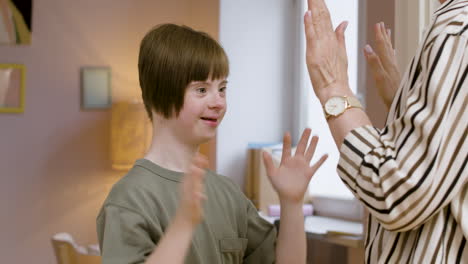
335,105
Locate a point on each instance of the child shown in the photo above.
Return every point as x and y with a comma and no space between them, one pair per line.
183,80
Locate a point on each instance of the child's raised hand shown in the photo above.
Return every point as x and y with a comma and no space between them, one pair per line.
292,177
192,191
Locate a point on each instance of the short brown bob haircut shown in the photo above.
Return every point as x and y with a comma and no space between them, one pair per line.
172,56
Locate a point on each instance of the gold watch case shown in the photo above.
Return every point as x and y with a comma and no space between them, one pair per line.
337,105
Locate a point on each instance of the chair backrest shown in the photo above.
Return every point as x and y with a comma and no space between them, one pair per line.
66,254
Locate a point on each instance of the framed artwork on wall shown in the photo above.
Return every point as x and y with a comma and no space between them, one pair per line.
15,22
95,88
12,88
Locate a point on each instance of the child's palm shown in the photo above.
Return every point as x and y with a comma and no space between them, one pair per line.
291,178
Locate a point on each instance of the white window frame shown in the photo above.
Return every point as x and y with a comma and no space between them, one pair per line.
411,18
326,182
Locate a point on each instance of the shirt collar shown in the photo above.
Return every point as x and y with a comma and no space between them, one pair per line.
446,6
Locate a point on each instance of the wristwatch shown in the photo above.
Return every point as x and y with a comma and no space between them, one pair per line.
337,105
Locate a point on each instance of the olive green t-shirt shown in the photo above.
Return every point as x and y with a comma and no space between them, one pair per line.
141,205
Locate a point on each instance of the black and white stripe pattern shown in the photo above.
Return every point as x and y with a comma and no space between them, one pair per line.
412,176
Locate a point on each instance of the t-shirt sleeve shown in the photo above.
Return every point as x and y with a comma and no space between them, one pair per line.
123,236
261,237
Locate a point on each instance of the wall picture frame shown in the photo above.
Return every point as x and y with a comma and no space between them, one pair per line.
96,88
16,22
12,88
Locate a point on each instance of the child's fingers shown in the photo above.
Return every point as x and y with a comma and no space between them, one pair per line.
200,161
197,199
192,190
195,173
311,150
193,180
201,196
196,187
197,178
286,147
268,161
197,169
196,206
301,146
317,165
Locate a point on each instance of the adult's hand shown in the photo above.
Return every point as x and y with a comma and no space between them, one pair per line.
326,55
383,64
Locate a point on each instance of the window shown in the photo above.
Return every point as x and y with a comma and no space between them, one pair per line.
411,17
326,182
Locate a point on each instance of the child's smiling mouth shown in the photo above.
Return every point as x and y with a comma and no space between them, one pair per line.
211,121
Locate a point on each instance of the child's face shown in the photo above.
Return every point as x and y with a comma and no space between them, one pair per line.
203,110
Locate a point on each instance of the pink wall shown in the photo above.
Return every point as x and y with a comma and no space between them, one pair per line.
54,160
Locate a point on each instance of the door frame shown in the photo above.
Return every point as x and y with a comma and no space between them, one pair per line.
411,17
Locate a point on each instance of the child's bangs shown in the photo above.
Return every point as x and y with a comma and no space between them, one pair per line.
209,61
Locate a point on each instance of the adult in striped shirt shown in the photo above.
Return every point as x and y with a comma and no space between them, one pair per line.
411,175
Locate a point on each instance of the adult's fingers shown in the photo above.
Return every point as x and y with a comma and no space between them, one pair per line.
380,39
321,18
375,64
384,47
308,26
387,34
340,33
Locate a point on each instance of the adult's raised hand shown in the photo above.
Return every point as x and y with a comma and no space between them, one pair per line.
326,55
383,64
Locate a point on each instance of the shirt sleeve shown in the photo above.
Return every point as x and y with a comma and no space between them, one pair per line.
261,237
407,172
123,236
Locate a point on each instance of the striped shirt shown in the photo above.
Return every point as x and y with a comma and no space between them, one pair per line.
412,175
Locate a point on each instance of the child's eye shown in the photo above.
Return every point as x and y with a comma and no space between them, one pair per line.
222,89
201,90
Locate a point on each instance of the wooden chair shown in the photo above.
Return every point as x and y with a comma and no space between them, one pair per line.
67,253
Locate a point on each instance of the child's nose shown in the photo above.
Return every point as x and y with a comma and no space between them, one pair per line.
217,102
